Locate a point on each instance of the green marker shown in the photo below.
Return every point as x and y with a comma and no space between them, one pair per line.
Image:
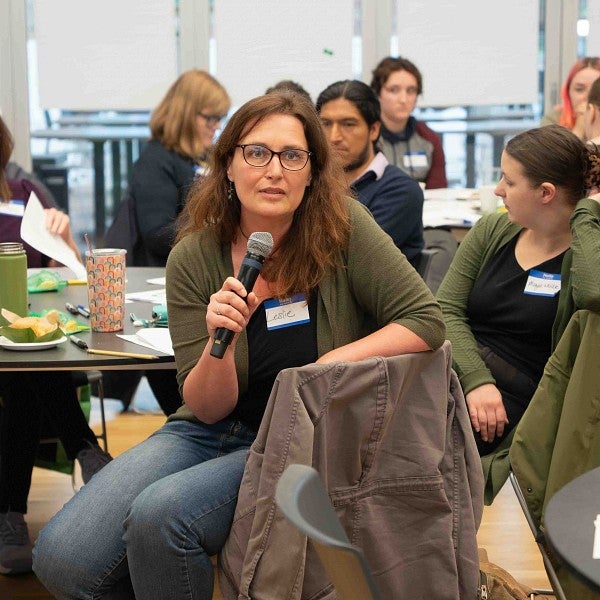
327,51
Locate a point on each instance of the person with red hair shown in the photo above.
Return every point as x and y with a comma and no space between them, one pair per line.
574,95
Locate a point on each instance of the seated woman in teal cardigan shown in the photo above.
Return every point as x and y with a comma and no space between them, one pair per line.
518,276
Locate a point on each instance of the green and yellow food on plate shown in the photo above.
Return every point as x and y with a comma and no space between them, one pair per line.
27,330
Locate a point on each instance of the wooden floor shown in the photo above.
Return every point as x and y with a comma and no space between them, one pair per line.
503,532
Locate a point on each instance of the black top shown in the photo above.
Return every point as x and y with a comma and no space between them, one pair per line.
515,325
270,352
160,182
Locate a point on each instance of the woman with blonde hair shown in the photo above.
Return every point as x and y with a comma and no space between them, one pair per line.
183,128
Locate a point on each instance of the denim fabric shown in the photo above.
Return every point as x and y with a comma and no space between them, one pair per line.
146,525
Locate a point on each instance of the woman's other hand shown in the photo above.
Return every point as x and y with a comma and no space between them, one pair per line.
486,411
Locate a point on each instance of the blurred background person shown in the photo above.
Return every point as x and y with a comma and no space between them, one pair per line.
32,400
183,128
350,117
574,94
287,85
591,119
14,171
407,143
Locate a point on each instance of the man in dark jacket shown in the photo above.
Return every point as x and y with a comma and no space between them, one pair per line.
350,115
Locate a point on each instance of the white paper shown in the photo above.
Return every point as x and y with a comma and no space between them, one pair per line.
155,339
157,281
596,547
34,232
134,339
159,337
153,296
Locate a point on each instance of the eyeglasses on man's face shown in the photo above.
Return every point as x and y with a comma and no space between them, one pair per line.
291,159
212,120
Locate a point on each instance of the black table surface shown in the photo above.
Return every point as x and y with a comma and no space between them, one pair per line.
569,523
68,356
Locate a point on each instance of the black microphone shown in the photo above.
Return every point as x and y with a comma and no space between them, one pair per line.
260,245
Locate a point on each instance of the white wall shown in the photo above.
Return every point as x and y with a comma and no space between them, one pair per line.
14,105
560,47
260,42
114,54
472,52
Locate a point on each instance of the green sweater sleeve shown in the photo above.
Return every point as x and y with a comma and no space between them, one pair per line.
585,268
385,284
479,245
580,278
580,275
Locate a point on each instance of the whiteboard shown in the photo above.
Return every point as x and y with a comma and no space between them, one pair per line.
472,52
260,42
107,55
593,38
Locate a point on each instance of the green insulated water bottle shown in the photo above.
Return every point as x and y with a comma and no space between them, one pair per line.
13,279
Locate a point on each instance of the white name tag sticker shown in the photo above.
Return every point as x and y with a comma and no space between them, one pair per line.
12,208
415,160
287,312
540,283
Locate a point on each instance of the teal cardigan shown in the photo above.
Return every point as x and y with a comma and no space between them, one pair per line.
375,285
580,283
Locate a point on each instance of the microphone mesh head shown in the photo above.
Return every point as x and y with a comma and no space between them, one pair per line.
261,243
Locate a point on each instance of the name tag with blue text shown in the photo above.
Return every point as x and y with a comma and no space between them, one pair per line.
12,208
287,312
416,160
540,283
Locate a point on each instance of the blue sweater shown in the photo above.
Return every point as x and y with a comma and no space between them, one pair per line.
396,202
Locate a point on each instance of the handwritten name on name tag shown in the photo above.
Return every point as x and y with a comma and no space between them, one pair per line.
540,283
287,313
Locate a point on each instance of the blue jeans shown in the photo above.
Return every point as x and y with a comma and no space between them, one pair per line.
146,525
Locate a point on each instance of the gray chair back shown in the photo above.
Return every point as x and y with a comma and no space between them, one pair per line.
302,498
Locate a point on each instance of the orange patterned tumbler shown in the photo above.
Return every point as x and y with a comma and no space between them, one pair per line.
106,288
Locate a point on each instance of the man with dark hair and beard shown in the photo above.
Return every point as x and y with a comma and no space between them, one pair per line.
350,116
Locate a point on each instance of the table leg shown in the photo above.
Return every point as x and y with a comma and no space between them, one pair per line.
498,148
470,167
99,191
116,169
129,158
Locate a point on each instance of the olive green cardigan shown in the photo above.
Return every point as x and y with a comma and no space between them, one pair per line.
580,283
374,286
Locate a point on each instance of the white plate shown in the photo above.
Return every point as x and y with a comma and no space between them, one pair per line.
8,345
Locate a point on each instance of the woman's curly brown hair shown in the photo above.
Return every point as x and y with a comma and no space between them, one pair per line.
592,177
556,155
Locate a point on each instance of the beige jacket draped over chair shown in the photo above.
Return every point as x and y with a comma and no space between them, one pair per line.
392,441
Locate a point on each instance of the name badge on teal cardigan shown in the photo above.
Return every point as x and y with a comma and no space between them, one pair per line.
540,283
287,312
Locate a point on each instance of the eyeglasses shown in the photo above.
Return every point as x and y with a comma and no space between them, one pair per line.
212,119
260,156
